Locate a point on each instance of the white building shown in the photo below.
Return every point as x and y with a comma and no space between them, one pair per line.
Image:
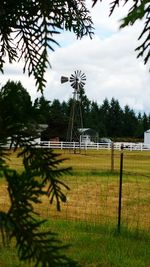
88,135
147,137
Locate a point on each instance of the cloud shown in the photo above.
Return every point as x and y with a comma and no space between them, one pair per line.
108,60
111,68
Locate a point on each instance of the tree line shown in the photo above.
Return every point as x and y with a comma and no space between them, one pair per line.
108,119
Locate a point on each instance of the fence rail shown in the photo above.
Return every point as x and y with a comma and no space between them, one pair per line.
96,146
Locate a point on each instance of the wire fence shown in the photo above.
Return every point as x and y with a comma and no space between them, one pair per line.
94,188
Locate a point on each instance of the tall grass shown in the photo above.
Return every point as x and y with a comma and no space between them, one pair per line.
93,194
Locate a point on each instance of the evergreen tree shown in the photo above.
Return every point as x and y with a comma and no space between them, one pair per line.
85,108
145,122
104,117
130,123
94,120
41,110
140,130
115,119
57,123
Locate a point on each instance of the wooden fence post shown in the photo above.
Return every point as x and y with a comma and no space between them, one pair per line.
112,157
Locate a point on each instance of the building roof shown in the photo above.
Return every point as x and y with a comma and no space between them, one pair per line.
87,131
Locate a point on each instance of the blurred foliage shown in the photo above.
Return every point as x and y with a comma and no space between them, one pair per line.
40,176
21,224
28,31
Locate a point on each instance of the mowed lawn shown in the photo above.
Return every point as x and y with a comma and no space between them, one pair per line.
88,220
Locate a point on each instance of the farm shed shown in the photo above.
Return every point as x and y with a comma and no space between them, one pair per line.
147,137
88,135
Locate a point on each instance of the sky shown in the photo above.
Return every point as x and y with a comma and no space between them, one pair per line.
108,61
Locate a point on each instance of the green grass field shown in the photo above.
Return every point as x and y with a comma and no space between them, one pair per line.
93,246
88,220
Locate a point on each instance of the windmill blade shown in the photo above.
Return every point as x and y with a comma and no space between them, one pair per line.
74,84
76,72
72,78
83,76
82,84
80,73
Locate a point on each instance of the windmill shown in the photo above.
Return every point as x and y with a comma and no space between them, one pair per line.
77,81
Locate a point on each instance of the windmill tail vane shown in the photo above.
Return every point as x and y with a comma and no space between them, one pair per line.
64,79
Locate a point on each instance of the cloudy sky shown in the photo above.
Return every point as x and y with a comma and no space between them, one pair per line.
108,61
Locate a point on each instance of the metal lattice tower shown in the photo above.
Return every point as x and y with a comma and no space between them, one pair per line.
77,81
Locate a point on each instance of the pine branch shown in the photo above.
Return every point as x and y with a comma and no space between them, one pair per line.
44,162
35,25
21,223
33,245
113,5
138,12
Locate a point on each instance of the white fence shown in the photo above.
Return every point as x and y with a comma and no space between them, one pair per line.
97,146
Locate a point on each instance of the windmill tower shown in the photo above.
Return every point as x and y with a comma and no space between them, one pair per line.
77,81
